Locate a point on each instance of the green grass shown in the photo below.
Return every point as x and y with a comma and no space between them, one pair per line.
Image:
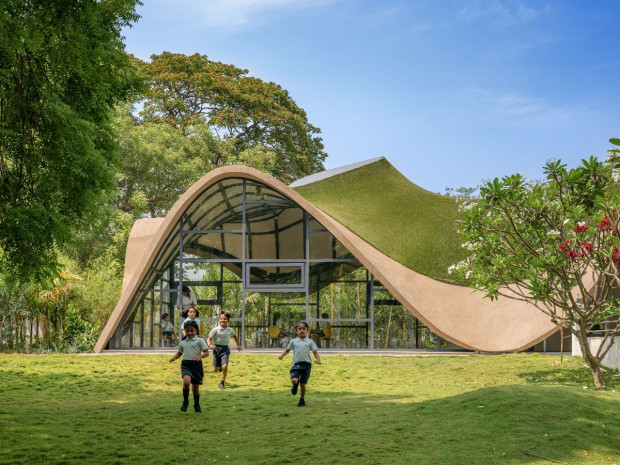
364,410
409,224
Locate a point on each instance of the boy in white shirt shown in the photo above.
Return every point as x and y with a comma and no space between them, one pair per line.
219,342
302,346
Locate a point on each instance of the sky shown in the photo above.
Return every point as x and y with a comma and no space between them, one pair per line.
452,92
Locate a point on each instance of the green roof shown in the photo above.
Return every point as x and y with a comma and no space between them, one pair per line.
413,226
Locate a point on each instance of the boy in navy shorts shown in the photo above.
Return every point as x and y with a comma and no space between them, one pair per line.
302,347
218,341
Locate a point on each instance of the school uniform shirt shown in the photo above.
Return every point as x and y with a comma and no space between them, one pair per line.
187,320
192,347
167,326
221,336
302,349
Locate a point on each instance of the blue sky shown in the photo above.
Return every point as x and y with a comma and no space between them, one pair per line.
451,92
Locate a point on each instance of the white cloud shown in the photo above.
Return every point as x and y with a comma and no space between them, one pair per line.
234,15
504,13
483,105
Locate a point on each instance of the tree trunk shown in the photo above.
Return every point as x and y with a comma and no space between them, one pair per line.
593,363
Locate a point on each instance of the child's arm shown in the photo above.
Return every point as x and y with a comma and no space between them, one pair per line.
286,351
318,358
210,342
177,355
237,342
205,353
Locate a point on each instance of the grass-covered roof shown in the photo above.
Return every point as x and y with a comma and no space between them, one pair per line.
413,226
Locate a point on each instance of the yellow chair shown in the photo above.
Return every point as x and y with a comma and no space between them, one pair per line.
274,333
327,336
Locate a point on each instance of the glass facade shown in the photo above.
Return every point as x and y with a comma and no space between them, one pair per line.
244,248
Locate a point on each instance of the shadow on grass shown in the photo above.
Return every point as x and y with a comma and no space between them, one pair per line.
119,419
571,374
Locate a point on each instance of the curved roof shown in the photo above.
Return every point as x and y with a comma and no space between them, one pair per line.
415,227
454,312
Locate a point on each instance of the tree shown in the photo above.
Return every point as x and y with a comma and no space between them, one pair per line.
62,71
555,244
159,162
187,92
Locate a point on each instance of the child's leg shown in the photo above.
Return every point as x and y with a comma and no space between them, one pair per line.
224,371
302,394
186,382
196,392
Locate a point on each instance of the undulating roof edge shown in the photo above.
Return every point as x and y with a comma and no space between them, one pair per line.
332,172
453,312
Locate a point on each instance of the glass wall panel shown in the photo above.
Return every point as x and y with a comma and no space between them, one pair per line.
260,275
348,336
324,245
270,318
274,231
213,245
219,207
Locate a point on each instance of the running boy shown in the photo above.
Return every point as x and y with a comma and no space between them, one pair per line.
219,341
193,349
302,346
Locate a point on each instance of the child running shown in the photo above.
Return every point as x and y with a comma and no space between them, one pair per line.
192,315
193,349
302,346
219,341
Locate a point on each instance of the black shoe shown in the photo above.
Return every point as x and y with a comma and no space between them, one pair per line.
221,386
197,408
301,403
184,407
294,388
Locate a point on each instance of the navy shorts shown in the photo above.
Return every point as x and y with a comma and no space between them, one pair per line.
301,371
220,355
194,369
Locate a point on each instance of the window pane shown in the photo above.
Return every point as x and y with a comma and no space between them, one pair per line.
274,231
260,275
219,207
325,245
213,245
256,191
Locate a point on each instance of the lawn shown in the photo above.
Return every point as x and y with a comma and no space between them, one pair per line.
513,409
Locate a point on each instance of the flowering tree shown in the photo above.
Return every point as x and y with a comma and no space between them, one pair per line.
554,244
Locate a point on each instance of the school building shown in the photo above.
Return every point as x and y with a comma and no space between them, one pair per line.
359,252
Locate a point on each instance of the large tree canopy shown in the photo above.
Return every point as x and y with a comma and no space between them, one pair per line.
555,244
62,71
188,91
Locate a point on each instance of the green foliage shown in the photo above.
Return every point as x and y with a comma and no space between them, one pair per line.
360,410
158,162
190,92
18,305
62,70
553,243
95,297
